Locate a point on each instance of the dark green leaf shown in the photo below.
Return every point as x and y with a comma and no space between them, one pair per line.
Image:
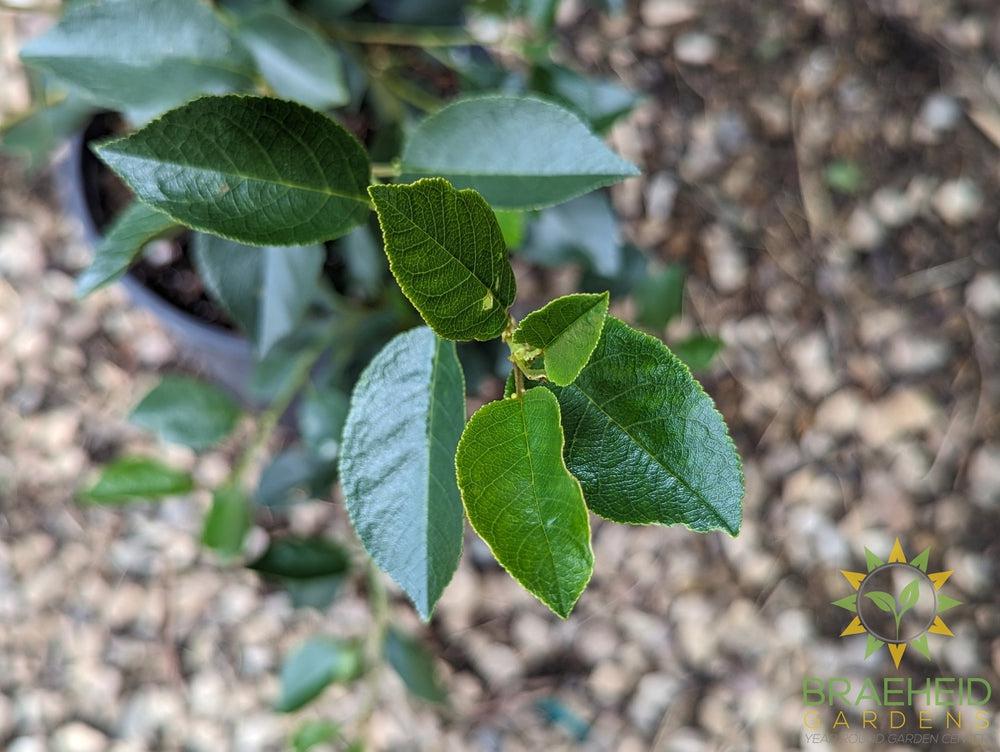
584,229
143,57
295,61
183,410
301,558
659,297
884,601
314,666
312,733
321,414
330,10
365,262
129,234
598,101
563,333
133,478
295,474
312,592
519,153
446,251
397,463
415,666
646,442
698,351
227,522
36,134
282,365
257,170
233,274
521,499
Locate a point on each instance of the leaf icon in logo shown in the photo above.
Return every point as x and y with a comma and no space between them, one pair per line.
909,597
883,600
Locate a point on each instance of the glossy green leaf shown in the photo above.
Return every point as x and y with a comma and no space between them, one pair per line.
397,463
312,667
142,56
659,297
321,415
415,666
184,410
884,601
302,558
134,478
698,351
257,170
563,333
446,251
313,733
521,499
34,135
295,61
519,153
227,522
582,230
646,441
124,241
267,291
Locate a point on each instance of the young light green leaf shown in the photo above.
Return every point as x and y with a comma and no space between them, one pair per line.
909,596
698,351
520,153
659,297
512,225
302,558
446,251
312,667
143,57
184,410
257,170
134,478
34,135
266,290
883,600
131,231
294,60
646,441
521,499
563,333
313,733
227,522
397,463
415,666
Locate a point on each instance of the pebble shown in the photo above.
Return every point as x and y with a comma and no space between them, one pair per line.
892,207
864,231
912,354
982,294
655,693
938,114
984,476
664,13
660,195
78,737
907,410
727,263
810,354
27,744
958,201
696,48
838,414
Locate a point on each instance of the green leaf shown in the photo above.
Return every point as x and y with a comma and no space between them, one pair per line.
131,231
227,522
312,592
143,57
659,297
844,176
34,135
365,262
909,596
446,251
295,61
564,333
321,415
397,463
598,101
183,410
302,558
257,170
312,667
646,441
512,225
582,230
415,666
698,351
267,291
521,499
519,153
132,478
884,601
295,472
313,733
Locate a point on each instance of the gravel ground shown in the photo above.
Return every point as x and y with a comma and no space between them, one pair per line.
860,307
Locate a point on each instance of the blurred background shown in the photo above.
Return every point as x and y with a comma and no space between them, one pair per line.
826,172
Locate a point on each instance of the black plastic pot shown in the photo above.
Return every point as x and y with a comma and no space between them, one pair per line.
226,357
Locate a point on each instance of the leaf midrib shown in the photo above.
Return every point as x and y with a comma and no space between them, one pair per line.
673,473
566,328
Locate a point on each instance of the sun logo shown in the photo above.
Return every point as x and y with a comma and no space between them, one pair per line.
896,603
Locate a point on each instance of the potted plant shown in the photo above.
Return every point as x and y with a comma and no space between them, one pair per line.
241,144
